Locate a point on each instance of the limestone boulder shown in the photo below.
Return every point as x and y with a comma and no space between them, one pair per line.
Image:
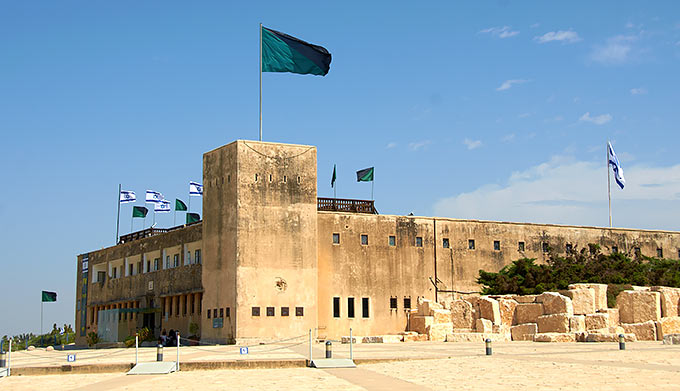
583,300
415,337
420,324
483,326
671,339
670,299
638,306
461,314
600,294
596,321
670,325
425,307
346,339
553,323
613,314
49,348
527,313
372,339
554,337
645,331
524,332
524,298
392,338
476,337
554,303
609,337
441,316
507,310
577,323
437,332
489,309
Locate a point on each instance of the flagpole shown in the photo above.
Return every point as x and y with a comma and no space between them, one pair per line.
174,219
372,182
118,218
260,81
609,187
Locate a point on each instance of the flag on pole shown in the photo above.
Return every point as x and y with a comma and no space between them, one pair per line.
153,196
180,205
283,53
49,296
162,207
195,189
616,167
333,177
193,217
365,175
139,211
127,196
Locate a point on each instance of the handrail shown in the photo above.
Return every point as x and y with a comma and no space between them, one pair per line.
346,205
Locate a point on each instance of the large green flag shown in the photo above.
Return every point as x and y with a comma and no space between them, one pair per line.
193,217
49,296
139,211
180,205
365,175
283,53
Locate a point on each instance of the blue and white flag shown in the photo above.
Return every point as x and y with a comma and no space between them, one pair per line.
127,196
162,207
153,196
195,189
616,166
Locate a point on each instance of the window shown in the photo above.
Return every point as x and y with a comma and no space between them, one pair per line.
167,262
615,249
419,241
545,247
227,312
569,248
364,240
156,263
184,308
208,314
256,181
407,303
679,253
114,272
364,307
445,242
284,311
255,311
336,307
392,241
139,266
175,259
393,303
285,179
270,311
497,245
299,180
659,252
520,246
336,238
177,308
299,311
471,244
638,252
197,256
131,268
350,307
221,312
270,177
215,313
193,305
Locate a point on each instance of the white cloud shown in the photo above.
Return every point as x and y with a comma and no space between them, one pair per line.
472,144
616,50
566,191
568,36
638,91
509,83
391,145
419,145
500,32
597,120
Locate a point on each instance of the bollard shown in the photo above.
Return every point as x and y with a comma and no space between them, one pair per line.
488,347
159,353
329,349
3,359
622,342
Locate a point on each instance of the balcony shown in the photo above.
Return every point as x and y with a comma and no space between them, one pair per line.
149,232
345,205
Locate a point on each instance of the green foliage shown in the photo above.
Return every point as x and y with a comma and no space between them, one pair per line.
525,277
145,334
92,338
129,341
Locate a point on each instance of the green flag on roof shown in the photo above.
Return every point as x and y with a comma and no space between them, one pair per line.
193,217
49,296
139,211
180,205
284,53
365,175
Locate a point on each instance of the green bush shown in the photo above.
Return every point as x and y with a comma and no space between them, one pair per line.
92,338
145,334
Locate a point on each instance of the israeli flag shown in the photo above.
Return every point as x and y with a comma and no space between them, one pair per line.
127,196
195,189
153,196
162,207
616,166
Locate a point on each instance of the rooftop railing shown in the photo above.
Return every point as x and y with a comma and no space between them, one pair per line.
149,232
346,205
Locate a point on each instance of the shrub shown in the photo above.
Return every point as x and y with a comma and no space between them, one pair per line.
145,334
92,338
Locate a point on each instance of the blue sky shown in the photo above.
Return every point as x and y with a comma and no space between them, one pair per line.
497,111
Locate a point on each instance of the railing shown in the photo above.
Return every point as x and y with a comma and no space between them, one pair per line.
149,232
345,205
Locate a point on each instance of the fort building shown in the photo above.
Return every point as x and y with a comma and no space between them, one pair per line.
270,259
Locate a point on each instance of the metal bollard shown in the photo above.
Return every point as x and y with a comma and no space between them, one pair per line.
3,359
159,353
622,342
488,347
329,349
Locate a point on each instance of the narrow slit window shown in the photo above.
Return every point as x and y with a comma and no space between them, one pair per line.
227,312
299,311
336,307
270,311
392,241
659,252
615,249
336,238
285,311
407,303
255,311
497,245
445,243
221,312
570,248
545,247
471,244
350,307
393,303
364,240
520,246
364,307
419,241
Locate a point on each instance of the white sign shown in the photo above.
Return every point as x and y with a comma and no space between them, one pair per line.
243,350
85,264
71,357
150,285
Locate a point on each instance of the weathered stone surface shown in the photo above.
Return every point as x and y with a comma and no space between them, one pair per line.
638,306
597,321
554,337
524,332
419,323
670,299
600,294
391,338
507,310
583,300
641,288
613,316
501,329
609,337
437,332
31,348
425,307
489,309
527,313
415,337
645,331
441,316
553,323
670,325
461,314
671,339
483,326
355,339
525,298
476,337
554,303
372,339
577,323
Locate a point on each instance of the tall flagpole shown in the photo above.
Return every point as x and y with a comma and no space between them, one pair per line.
609,187
260,81
118,219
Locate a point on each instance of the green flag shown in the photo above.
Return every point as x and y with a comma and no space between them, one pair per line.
365,175
333,178
49,296
139,211
180,205
193,217
283,53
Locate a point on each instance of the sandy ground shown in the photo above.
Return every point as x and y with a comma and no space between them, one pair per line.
515,365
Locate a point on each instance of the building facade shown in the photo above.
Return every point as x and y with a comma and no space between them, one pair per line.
271,260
